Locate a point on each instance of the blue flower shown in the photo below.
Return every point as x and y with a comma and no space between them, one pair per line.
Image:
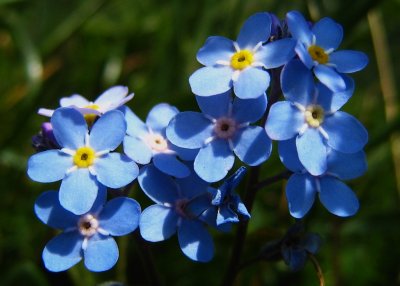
179,203
89,235
316,47
311,116
302,187
85,161
221,131
241,64
147,141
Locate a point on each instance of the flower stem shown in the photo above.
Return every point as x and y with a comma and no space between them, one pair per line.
317,269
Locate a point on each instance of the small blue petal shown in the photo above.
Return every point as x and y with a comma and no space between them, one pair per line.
169,164
69,128
137,150
215,106
101,253
159,117
184,153
346,133
189,130
191,186
347,166
252,145
312,151
311,242
300,193
63,251
120,216
346,61
241,208
284,121
251,83
328,33
195,242
112,97
215,49
288,155
331,102
108,131
158,223
226,215
338,198
304,55
115,170
219,156
211,80
134,126
298,27
257,28
297,259
49,166
249,110
328,76
276,53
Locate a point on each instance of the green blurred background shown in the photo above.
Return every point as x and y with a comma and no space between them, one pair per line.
50,49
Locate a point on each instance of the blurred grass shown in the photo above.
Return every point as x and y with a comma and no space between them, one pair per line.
50,49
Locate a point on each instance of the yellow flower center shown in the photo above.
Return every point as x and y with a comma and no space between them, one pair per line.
91,117
318,54
241,60
314,115
84,157
157,142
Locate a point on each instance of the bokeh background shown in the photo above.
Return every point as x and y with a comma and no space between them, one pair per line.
50,49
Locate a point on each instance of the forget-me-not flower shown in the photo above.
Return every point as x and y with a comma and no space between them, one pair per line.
311,115
316,47
89,235
85,160
241,64
220,131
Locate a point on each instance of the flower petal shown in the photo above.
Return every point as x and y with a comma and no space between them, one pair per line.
115,170
49,166
137,150
134,126
101,253
249,110
211,80
216,154
284,121
74,100
338,198
328,76
69,128
333,101
159,117
312,151
257,28
189,130
304,55
276,53
191,186
215,49
347,166
63,251
252,145
195,242
112,98
169,164
288,155
120,216
298,27
346,133
252,83
108,131
158,223
347,61
300,193
328,33
215,106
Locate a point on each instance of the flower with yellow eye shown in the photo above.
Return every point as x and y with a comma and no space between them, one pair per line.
316,47
241,64
84,161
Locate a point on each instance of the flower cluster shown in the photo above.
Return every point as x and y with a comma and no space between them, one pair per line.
178,157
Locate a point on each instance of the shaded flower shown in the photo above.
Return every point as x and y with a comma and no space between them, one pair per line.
241,64
45,140
84,161
89,235
220,131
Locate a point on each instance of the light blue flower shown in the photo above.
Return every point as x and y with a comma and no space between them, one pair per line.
316,47
179,203
302,187
222,130
241,64
147,142
311,115
85,161
89,235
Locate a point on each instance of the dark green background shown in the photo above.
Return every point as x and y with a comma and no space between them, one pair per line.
50,49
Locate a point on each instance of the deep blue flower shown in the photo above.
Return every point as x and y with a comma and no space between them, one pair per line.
241,64
221,131
179,203
311,115
89,235
147,141
85,161
302,187
316,47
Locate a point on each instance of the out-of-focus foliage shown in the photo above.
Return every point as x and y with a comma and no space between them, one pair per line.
50,49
